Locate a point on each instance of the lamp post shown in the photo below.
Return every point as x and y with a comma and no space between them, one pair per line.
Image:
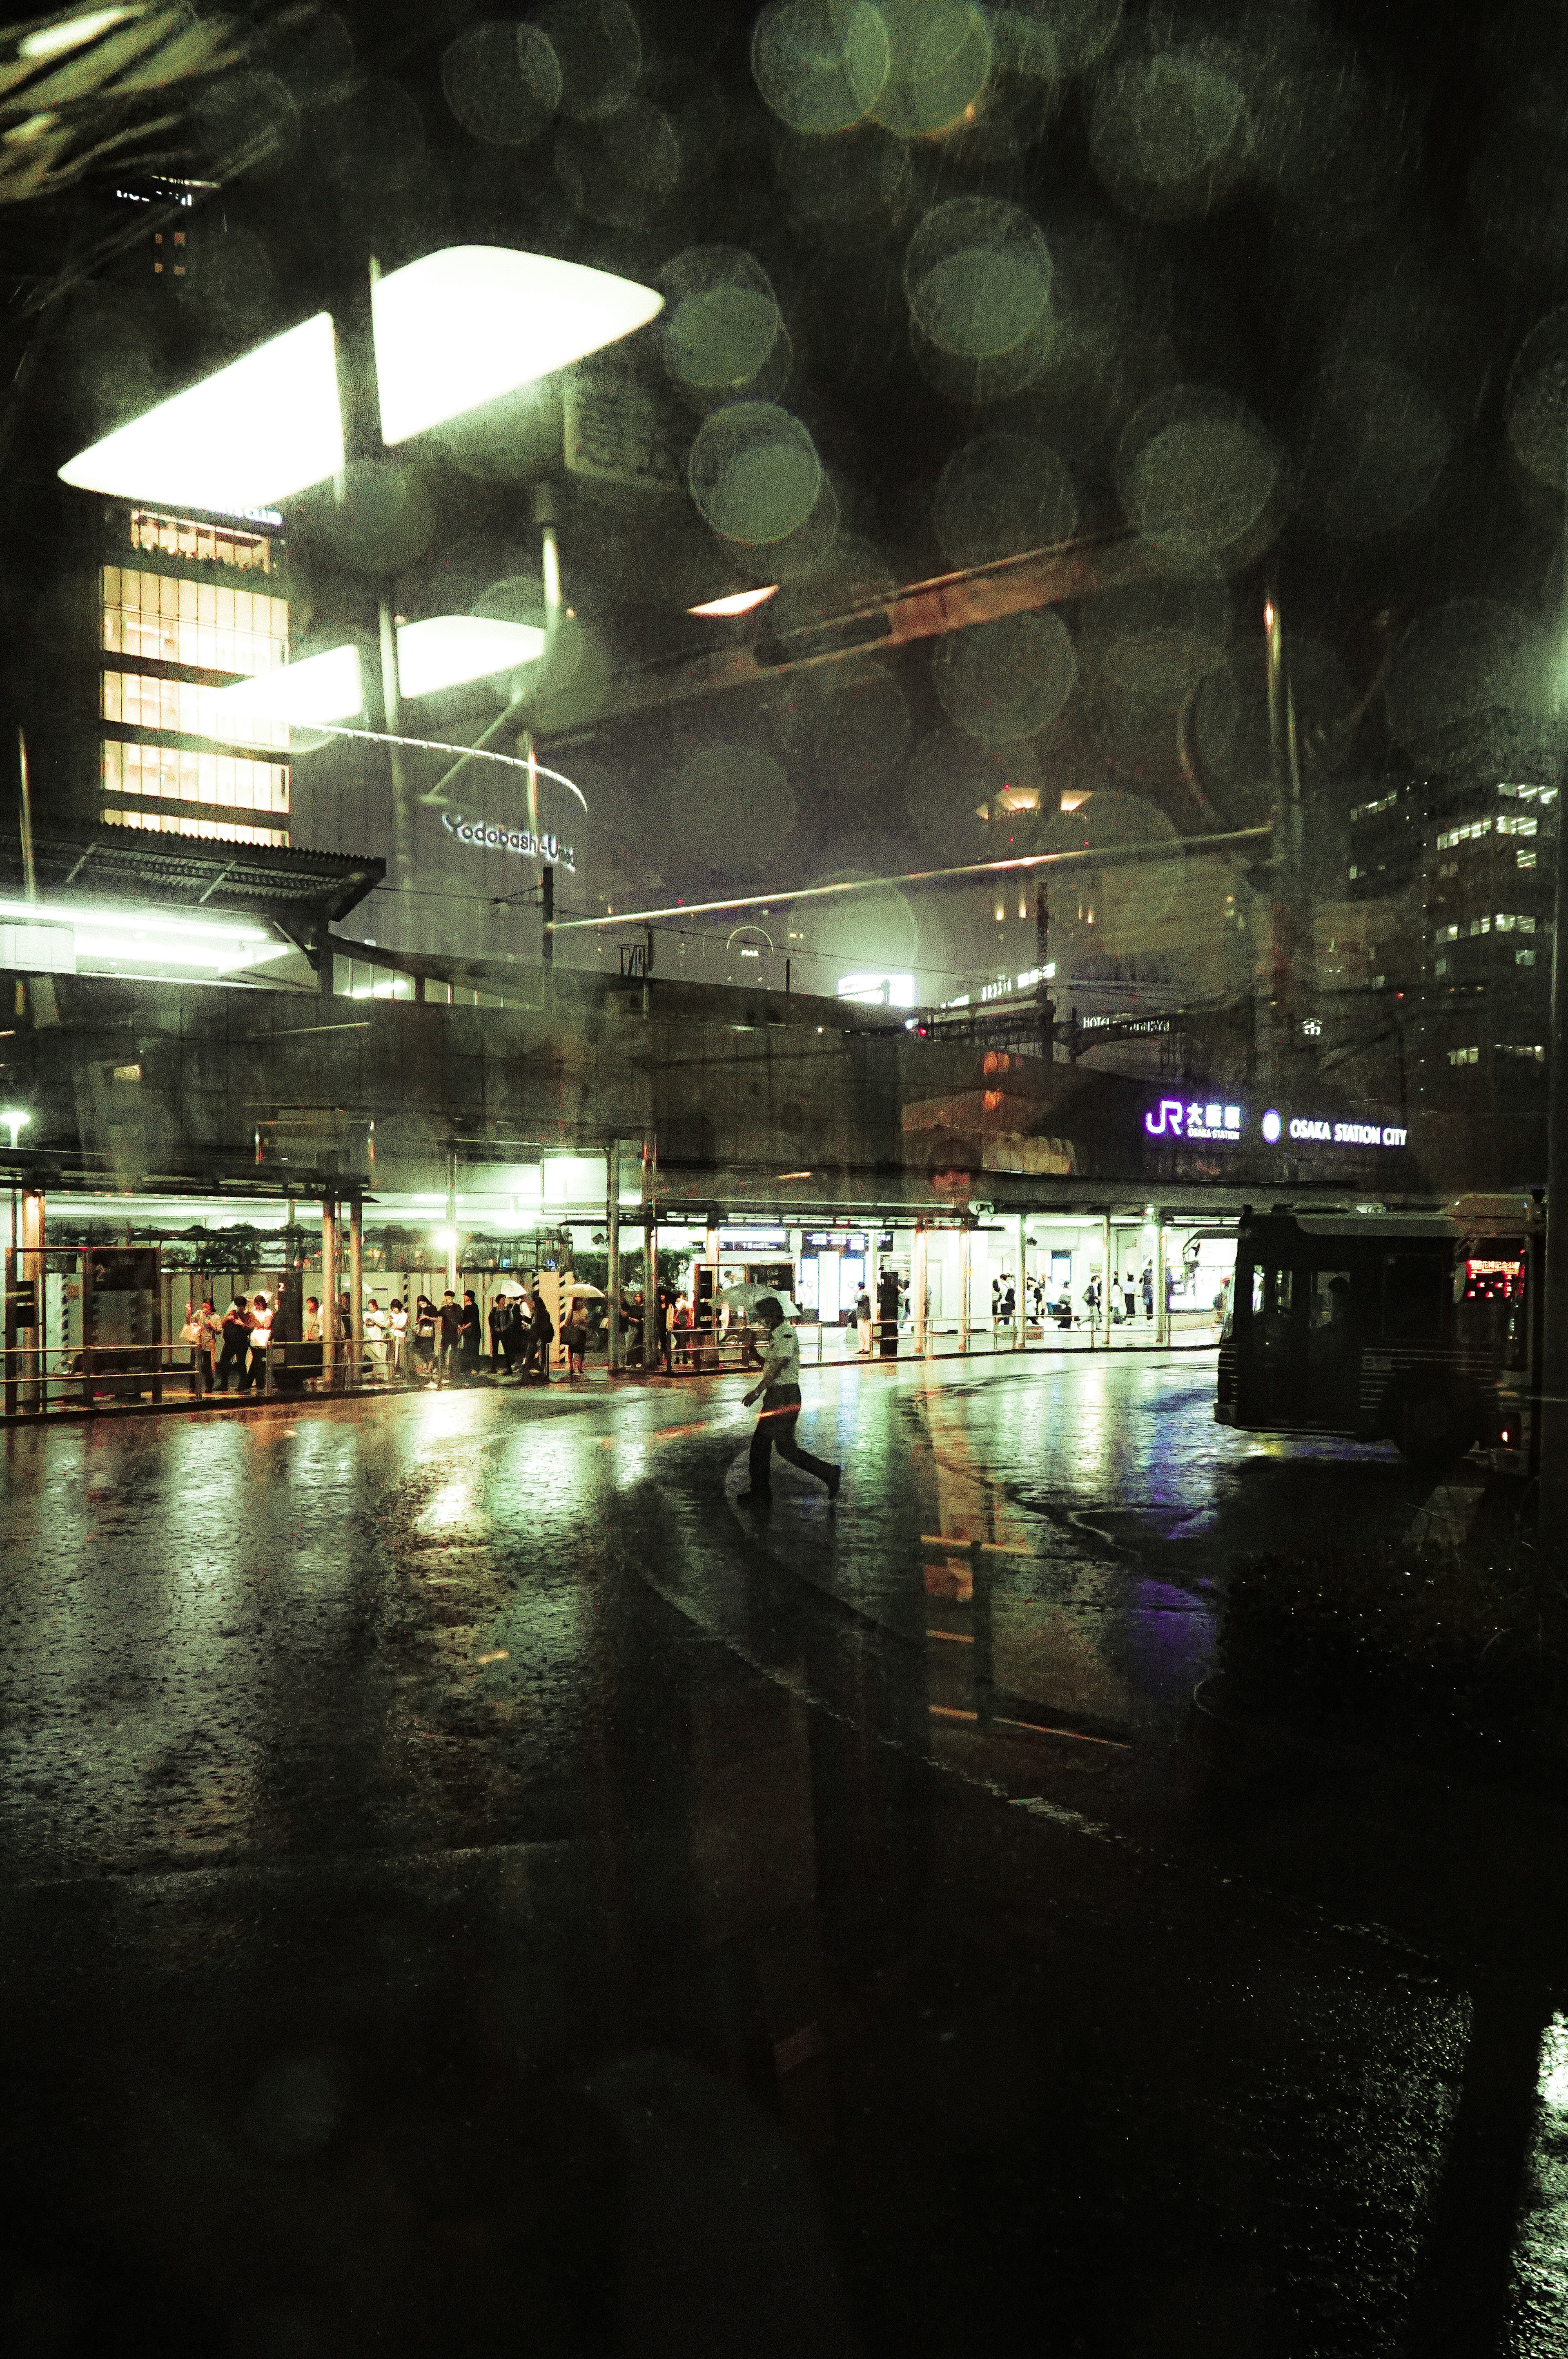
444,336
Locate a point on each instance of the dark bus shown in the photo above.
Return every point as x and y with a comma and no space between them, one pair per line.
1415,1328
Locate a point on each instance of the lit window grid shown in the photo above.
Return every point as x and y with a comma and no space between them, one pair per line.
138,700
229,778
202,544
203,623
212,831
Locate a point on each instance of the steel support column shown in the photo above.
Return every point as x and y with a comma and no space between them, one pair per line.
612,1233
964,1281
356,1288
329,1355
1020,1326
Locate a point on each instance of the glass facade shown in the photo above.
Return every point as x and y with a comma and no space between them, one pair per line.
205,626
211,631
202,544
193,778
217,830
142,701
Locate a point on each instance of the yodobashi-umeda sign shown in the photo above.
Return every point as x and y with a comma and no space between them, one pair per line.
484,837
1194,1122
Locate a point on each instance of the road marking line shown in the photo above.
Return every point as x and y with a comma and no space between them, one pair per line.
949,1711
1038,1728
957,1637
1444,1520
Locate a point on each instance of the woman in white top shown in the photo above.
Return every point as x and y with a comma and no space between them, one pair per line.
254,1374
397,1328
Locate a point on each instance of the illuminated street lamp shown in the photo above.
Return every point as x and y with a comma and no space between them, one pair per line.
450,332
15,1119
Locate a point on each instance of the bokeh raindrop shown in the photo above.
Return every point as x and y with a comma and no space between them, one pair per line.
754,472
1006,680
1169,133
1001,493
1196,467
939,62
821,65
1372,444
977,278
599,52
720,327
731,803
1537,401
620,172
503,82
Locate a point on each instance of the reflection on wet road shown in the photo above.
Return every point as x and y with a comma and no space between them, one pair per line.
441,1834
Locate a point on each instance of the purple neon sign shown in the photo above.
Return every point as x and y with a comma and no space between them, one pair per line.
1197,1122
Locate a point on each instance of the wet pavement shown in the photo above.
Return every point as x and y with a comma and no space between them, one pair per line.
465,1877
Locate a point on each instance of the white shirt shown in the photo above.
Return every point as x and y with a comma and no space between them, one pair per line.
781,1361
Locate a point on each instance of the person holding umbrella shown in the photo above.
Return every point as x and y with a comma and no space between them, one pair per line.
780,1391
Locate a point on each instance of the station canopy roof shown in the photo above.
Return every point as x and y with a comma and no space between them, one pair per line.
301,891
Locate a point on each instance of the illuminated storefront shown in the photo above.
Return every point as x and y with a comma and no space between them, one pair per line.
200,609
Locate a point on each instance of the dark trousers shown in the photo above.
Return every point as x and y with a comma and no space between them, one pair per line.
776,1430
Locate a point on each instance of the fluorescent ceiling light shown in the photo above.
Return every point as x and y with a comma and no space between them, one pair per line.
451,648
740,601
53,40
158,936
323,688
264,427
465,326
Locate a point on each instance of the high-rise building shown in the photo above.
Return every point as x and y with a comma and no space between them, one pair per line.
189,606
1483,1028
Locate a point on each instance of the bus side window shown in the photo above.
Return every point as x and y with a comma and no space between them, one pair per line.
1272,1294
1413,1289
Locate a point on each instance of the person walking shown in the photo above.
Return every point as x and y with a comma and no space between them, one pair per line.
468,1336
863,1323
1147,1288
496,1318
196,1334
780,1393
1129,1295
396,1337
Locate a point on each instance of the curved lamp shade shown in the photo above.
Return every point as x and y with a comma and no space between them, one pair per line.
462,327
445,652
264,427
451,648
323,688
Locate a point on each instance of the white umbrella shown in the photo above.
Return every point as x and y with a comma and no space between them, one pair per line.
583,1293
746,1298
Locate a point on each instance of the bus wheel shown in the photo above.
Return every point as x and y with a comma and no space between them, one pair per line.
1434,1430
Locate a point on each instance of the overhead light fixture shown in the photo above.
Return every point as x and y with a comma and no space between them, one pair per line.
322,688
264,427
54,40
740,601
159,937
464,326
15,1119
450,650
